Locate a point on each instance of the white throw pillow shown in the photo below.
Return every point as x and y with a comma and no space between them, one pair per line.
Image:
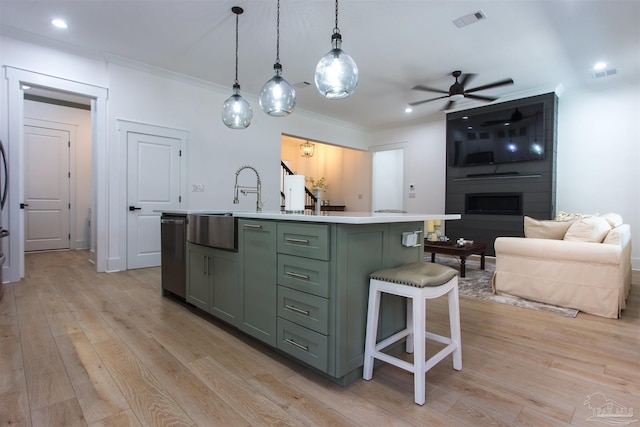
545,229
593,229
614,219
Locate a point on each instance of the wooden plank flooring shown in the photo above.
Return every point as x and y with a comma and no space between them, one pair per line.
79,348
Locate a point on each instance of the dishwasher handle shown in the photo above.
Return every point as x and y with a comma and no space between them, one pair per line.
173,221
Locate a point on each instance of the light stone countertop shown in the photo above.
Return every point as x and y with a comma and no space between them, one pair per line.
325,217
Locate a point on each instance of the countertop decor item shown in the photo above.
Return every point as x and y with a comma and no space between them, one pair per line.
236,111
336,73
320,183
277,97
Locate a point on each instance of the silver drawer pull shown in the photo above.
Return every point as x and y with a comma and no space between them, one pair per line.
292,240
252,226
295,344
296,309
296,275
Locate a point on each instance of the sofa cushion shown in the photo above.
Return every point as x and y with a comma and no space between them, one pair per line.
545,229
613,219
593,229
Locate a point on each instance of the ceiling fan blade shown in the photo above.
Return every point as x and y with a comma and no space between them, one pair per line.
480,97
413,104
504,82
449,105
466,78
429,89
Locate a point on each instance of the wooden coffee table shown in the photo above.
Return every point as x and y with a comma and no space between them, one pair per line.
450,248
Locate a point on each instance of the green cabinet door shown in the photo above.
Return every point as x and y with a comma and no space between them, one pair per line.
224,290
258,269
212,281
198,276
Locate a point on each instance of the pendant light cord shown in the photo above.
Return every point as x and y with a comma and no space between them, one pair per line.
278,34
236,81
336,31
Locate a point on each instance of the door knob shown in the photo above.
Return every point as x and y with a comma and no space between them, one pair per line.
23,205
133,208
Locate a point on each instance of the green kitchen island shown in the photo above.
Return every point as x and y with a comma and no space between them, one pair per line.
299,282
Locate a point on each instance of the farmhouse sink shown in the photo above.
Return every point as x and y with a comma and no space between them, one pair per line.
216,230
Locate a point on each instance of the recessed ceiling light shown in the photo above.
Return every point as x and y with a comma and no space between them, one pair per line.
408,110
599,66
59,23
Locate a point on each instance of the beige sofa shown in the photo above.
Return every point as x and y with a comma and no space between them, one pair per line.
582,263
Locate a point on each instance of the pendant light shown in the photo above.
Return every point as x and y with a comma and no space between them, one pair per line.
336,73
277,97
236,111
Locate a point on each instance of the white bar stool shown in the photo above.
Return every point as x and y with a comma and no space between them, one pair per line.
417,282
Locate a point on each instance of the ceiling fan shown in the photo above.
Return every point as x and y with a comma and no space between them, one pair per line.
457,91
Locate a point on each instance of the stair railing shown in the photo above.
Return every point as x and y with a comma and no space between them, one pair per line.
309,200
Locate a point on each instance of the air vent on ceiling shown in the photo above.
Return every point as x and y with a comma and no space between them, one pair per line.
605,73
465,20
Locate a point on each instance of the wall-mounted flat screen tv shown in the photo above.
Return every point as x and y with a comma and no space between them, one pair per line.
509,135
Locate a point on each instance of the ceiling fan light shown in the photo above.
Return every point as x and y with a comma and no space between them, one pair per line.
277,97
457,97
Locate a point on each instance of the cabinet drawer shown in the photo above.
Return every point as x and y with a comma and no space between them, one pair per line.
304,309
303,344
305,274
306,240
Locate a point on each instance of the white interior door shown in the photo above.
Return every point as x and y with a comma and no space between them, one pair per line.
388,180
46,196
153,183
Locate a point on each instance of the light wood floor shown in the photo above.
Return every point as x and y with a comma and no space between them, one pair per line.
79,348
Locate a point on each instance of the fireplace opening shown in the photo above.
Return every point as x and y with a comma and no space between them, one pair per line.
493,203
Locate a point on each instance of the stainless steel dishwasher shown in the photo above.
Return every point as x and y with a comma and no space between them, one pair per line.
174,254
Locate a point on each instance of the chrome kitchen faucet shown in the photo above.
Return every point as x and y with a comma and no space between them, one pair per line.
246,190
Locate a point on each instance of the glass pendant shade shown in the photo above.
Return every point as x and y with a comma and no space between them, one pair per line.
277,97
336,73
236,111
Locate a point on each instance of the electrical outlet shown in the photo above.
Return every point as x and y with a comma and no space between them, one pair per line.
197,188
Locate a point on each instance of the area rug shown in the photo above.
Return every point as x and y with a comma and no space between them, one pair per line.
477,284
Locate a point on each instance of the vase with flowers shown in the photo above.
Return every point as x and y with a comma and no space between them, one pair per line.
318,186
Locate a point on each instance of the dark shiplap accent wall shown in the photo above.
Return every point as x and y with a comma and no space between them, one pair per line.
536,180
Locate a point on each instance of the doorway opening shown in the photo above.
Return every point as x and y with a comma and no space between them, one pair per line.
57,172
388,179
16,80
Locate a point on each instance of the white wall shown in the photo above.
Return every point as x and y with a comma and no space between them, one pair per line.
425,168
599,155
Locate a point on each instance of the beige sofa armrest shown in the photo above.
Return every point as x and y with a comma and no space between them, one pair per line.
595,253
